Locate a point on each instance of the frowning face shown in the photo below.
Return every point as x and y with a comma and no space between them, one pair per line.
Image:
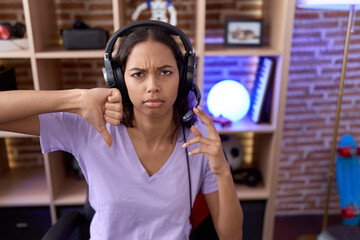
152,80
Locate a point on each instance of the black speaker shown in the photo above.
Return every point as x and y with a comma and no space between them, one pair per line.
90,38
249,176
82,37
7,79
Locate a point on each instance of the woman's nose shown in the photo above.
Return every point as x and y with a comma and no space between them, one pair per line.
153,85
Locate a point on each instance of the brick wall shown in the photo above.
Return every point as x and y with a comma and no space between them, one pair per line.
314,74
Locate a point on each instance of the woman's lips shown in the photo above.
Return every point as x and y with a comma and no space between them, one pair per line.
154,102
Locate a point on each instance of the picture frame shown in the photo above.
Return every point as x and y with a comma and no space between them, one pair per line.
243,32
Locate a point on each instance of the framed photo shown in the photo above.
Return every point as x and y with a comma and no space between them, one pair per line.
243,32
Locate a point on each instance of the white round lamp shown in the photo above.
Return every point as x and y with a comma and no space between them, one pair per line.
228,99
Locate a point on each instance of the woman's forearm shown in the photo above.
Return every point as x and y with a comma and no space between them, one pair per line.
230,219
19,104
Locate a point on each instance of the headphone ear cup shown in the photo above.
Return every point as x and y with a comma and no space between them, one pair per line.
187,77
182,78
120,82
6,31
19,30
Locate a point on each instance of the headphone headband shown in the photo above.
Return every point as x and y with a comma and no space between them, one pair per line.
128,29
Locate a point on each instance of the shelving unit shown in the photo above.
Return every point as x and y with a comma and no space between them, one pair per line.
18,184
59,52
50,185
16,54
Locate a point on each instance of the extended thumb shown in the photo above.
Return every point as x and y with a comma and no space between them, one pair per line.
106,136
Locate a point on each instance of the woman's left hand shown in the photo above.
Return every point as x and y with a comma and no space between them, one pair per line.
210,146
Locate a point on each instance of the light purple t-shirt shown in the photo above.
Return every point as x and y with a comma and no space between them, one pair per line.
129,203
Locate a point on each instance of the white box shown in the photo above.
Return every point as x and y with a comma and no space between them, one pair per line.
14,44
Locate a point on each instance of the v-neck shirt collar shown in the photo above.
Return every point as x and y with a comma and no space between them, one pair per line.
141,168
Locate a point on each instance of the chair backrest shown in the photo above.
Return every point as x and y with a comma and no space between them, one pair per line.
88,210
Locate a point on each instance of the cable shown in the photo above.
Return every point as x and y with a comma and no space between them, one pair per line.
189,178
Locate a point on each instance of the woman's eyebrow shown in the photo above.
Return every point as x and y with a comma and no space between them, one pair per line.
165,66
137,69
143,69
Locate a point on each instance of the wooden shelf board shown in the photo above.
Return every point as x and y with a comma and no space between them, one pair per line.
58,52
246,125
24,187
251,193
16,54
73,192
4,134
217,49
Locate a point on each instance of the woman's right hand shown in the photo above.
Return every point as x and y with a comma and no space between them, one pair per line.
101,105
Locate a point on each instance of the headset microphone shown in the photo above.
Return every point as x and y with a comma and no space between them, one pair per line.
190,113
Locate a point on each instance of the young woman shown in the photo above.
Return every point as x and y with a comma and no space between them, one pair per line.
132,150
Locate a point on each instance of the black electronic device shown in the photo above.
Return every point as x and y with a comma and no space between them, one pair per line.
7,79
82,37
114,76
8,32
249,176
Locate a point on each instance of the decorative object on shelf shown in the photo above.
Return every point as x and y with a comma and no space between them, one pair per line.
243,32
261,95
334,5
83,37
249,176
234,152
12,37
8,32
224,122
7,79
158,11
229,99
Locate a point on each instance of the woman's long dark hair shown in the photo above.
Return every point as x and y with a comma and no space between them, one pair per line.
181,105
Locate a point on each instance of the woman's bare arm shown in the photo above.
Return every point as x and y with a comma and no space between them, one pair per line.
19,109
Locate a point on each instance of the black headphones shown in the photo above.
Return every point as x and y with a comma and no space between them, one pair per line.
114,76
8,32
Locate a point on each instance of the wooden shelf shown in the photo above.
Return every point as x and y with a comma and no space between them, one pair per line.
58,52
73,192
219,50
251,193
24,187
246,125
4,134
18,54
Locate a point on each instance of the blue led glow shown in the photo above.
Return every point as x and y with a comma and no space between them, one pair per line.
326,7
327,4
229,99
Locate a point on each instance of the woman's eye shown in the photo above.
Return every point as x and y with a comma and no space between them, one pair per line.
136,75
166,73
